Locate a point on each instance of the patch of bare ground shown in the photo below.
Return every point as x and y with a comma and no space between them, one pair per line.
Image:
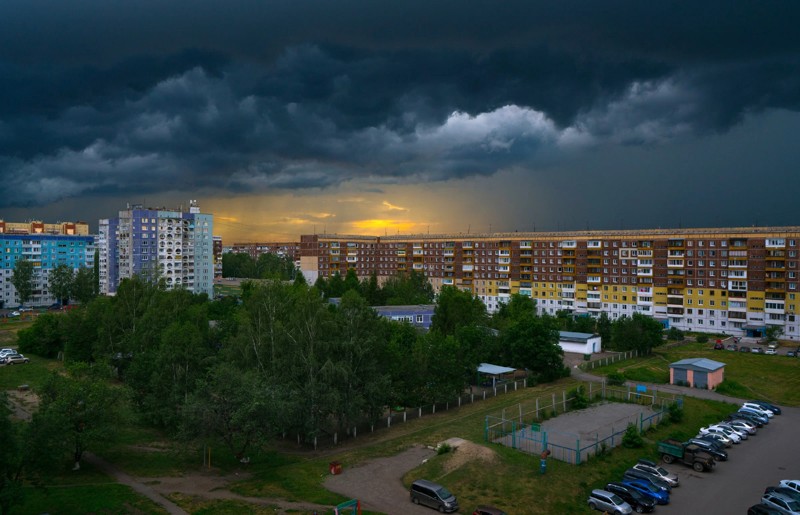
465,451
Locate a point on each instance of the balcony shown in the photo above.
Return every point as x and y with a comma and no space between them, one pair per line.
594,279
568,244
467,268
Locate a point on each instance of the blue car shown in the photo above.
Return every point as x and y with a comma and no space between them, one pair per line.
648,489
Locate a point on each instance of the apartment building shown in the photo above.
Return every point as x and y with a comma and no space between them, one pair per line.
174,245
736,281
46,246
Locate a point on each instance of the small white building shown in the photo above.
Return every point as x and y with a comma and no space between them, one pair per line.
581,343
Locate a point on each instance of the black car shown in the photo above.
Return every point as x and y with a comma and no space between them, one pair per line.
766,405
718,452
655,481
744,348
760,509
639,502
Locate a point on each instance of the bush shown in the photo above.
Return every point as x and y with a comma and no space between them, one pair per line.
675,413
674,334
616,379
632,439
701,338
579,399
443,448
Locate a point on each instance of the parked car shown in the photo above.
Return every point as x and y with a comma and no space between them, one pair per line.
713,447
732,347
720,437
782,503
757,350
742,424
762,509
730,435
740,415
608,502
768,405
794,484
652,468
741,433
744,348
758,409
23,309
648,489
719,346
638,501
6,351
15,358
644,476
771,351
788,492
13,314
433,495
758,414
488,510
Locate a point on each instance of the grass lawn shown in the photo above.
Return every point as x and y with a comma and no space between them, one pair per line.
773,378
79,499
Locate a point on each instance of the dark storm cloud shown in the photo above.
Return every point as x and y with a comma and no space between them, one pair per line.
102,98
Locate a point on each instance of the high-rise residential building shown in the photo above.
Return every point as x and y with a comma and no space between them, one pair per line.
156,243
46,246
217,256
736,281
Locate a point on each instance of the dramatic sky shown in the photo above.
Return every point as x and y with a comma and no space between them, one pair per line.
284,117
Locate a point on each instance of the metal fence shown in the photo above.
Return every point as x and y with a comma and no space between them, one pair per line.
522,428
607,360
394,417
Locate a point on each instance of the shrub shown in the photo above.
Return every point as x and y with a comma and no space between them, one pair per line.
443,448
674,334
701,338
675,413
579,399
632,439
616,379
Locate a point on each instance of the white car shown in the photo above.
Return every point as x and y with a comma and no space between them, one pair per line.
771,351
730,435
794,484
742,433
758,409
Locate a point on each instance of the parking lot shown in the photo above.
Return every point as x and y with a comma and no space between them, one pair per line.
735,485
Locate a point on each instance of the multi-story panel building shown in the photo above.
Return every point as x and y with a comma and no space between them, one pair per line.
173,245
217,241
46,246
736,281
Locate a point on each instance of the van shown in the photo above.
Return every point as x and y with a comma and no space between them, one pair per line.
428,493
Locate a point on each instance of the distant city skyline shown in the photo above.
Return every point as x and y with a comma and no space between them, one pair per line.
374,118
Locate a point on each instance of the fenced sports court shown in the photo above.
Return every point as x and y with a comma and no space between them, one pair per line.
574,436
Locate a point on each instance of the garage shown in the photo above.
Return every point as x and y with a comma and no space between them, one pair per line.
697,372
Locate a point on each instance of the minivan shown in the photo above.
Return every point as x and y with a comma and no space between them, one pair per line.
433,495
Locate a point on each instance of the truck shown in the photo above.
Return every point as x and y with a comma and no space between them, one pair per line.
687,453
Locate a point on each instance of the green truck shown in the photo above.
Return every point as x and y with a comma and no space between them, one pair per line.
689,454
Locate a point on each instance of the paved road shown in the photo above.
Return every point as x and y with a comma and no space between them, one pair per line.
734,485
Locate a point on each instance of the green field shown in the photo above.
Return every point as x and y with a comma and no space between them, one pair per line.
773,378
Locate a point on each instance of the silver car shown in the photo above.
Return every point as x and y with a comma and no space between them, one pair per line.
661,473
608,502
15,358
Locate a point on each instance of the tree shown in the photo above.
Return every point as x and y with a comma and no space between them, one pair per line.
772,333
236,406
456,308
76,411
83,287
43,338
11,459
638,332
533,344
408,289
603,328
61,279
22,279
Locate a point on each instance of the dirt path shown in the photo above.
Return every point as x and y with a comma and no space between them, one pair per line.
378,483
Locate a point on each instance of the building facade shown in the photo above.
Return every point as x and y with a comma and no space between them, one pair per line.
736,281
173,245
46,246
